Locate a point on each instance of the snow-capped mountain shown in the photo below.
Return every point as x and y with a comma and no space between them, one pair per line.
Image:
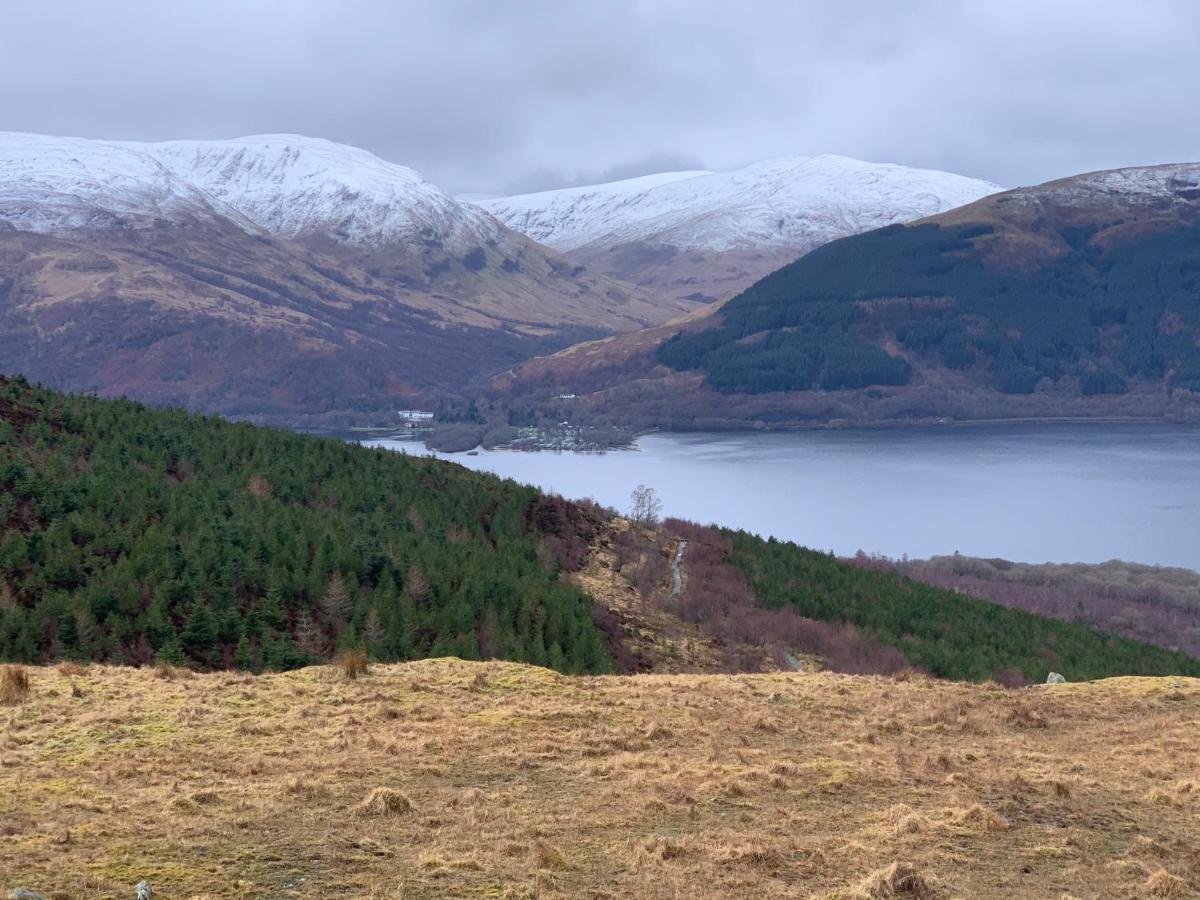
798,203
54,184
296,186
288,185
274,275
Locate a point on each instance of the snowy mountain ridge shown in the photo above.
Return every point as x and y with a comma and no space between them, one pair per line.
798,202
289,185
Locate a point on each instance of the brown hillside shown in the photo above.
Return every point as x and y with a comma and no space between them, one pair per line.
211,316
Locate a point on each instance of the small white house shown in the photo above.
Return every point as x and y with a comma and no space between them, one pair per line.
414,416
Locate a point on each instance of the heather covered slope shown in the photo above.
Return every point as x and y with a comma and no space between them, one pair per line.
444,778
1074,298
1156,604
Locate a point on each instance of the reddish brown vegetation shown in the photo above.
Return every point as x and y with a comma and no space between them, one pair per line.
1157,605
568,529
718,597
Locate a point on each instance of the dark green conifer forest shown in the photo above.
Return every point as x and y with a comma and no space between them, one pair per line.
948,634
131,534
1102,316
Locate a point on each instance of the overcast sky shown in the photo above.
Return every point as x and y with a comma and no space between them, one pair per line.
495,96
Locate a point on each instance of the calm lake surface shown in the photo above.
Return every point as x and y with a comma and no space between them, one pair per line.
1058,493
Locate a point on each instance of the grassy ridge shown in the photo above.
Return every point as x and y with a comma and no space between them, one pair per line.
132,533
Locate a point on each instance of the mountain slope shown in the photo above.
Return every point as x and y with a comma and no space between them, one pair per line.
331,279
709,234
1077,297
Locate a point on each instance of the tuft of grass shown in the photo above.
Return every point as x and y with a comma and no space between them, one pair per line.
167,672
353,663
306,789
72,669
751,854
384,801
899,880
655,850
1021,716
1163,884
546,856
983,819
14,685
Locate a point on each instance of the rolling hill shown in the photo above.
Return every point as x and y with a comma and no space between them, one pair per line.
274,275
703,236
1073,298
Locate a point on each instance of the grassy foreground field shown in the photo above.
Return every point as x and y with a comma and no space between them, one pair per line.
444,778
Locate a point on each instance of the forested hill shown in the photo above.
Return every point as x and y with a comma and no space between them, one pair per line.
130,534
1087,286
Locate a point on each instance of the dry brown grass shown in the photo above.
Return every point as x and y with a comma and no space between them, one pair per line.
384,801
1163,884
167,672
899,880
14,685
451,779
352,664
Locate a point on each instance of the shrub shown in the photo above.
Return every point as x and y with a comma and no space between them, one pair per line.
352,663
14,685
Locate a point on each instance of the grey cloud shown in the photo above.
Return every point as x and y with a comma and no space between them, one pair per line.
532,94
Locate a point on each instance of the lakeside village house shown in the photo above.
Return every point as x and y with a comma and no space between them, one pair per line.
414,416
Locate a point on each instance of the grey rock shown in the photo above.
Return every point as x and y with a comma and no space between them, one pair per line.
143,891
1055,678
20,893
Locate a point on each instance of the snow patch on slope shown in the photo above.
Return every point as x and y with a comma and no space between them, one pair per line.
797,203
1170,182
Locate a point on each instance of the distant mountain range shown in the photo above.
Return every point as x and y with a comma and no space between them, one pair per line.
271,274
705,235
282,277
1079,297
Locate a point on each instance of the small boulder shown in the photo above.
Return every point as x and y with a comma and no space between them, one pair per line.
1055,678
142,890
20,893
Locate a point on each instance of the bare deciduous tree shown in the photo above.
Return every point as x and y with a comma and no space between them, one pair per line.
645,506
336,602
